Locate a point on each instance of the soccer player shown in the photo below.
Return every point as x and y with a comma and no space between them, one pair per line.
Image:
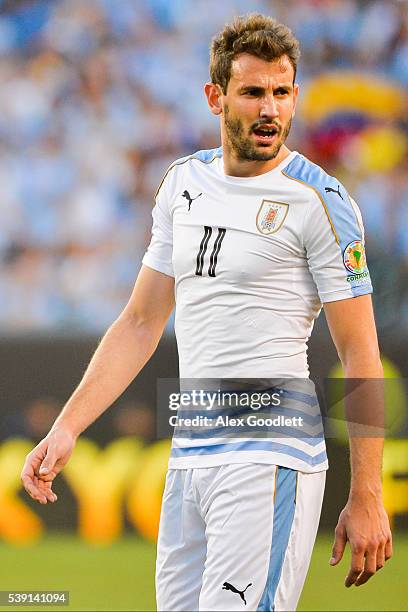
251,239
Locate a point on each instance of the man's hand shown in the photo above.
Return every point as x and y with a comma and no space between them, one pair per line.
364,523
44,462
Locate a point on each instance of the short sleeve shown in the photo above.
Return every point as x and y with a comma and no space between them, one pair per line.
333,238
160,250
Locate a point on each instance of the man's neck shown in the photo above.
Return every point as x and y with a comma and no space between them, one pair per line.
243,168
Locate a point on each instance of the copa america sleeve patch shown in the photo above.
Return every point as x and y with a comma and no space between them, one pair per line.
355,262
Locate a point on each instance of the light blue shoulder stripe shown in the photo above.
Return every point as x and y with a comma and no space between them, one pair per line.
336,201
205,155
337,204
283,515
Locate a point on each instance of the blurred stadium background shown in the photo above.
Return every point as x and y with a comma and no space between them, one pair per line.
97,97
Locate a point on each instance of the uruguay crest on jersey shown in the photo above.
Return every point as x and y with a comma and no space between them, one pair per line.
271,216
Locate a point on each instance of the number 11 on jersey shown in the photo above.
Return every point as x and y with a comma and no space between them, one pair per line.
214,253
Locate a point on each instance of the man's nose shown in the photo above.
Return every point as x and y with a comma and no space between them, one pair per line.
269,108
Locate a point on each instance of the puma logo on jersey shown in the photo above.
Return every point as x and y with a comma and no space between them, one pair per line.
188,197
328,189
230,587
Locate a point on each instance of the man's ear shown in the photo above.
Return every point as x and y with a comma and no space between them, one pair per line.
213,94
295,97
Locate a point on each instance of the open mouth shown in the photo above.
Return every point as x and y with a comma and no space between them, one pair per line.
266,133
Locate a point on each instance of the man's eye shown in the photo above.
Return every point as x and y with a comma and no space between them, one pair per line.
252,92
281,92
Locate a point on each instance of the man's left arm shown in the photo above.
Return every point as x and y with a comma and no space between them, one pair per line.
363,521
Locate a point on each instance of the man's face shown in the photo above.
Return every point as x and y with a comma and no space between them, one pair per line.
258,107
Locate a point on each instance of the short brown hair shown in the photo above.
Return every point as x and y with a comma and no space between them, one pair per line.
256,34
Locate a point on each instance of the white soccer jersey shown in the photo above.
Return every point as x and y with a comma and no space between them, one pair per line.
253,259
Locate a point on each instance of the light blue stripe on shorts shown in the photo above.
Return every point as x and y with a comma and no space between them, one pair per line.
285,501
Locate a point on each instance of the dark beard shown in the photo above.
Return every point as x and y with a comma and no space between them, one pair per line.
243,147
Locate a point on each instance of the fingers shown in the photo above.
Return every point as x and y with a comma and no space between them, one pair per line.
367,560
29,479
366,527
48,463
380,557
340,539
388,548
31,485
35,485
46,489
32,489
39,490
357,564
370,567
44,463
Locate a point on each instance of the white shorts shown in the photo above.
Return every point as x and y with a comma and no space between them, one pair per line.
236,537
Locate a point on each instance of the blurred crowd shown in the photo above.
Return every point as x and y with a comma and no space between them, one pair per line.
98,97
33,420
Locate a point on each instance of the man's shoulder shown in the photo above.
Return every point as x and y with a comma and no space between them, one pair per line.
306,172
205,156
330,196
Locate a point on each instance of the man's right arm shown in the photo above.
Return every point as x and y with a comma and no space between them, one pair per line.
124,350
